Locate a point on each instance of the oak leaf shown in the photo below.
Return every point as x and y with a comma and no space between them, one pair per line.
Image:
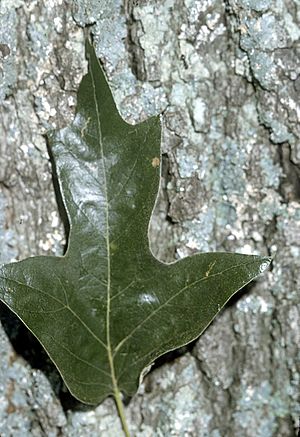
108,308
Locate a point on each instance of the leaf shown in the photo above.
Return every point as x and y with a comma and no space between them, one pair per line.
107,309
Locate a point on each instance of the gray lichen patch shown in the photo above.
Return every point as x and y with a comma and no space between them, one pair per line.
263,33
28,405
8,42
179,401
257,5
260,401
269,41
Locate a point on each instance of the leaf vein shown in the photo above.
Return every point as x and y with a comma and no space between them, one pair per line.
122,291
77,357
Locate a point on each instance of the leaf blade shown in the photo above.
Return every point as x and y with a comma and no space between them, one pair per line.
108,308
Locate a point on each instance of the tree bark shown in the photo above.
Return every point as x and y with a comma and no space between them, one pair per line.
226,76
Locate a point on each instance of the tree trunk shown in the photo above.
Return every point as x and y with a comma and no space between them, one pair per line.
226,76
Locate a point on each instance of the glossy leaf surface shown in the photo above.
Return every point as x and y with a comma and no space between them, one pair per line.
108,308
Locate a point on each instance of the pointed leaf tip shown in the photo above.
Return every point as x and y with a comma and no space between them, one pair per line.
265,264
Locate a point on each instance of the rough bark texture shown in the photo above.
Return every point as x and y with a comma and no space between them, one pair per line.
226,75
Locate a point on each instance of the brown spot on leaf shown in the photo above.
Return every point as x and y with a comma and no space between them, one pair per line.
210,267
155,162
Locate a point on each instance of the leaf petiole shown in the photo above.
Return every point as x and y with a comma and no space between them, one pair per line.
120,408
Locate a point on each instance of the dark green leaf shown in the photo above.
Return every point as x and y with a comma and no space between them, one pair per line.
108,308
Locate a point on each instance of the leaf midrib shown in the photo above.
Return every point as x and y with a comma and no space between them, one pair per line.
108,289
